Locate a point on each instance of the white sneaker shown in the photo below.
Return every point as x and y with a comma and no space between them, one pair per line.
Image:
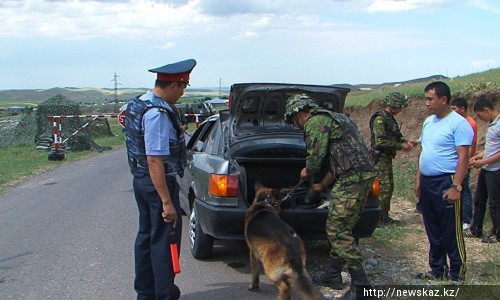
465,226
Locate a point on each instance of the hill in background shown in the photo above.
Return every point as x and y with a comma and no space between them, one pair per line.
85,95
93,96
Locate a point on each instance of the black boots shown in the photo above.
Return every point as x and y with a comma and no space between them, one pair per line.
360,285
332,278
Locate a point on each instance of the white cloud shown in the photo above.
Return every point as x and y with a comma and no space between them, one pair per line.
405,5
89,19
488,6
319,40
168,45
245,36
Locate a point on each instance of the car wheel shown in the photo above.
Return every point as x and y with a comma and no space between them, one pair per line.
201,243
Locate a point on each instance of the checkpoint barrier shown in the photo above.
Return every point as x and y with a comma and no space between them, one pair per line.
58,142
197,118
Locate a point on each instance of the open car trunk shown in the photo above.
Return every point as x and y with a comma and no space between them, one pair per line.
281,175
284,174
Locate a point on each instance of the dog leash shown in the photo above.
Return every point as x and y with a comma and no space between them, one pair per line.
293,190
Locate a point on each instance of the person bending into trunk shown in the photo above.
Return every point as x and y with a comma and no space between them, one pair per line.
333,140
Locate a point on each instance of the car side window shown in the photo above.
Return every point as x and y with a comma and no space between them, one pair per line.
199,144
194,137
212,139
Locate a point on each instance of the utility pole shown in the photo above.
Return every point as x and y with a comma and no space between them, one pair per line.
220,87
115,80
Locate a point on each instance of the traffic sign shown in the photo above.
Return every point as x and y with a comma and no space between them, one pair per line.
121,118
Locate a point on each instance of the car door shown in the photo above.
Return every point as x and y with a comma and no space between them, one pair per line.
202,149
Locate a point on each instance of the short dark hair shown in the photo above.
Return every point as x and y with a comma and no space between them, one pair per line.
163,84
460,102
440,88
483,103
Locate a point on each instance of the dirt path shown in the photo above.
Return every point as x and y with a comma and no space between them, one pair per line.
397,253
407,254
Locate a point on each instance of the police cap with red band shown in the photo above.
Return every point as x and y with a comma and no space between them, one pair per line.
175,72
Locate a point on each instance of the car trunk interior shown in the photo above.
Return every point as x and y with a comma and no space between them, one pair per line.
278,174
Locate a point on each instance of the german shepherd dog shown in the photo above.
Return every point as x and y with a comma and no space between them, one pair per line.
274,244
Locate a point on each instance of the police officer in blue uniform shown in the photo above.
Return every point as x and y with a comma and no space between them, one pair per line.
156,155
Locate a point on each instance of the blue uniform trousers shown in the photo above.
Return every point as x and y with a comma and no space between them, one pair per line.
443,224
154,276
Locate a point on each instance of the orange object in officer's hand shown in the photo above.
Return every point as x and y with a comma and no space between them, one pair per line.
174,254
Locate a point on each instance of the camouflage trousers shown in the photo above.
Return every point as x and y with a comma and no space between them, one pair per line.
385,175
345,208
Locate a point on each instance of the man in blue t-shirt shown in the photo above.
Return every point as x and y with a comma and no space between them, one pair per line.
446,138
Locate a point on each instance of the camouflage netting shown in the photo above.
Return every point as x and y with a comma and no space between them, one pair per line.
11,130
24,132
60,105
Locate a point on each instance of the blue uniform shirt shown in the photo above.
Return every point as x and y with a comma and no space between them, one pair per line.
439,139
158,130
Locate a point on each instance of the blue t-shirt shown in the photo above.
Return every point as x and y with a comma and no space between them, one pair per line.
439,139
158,130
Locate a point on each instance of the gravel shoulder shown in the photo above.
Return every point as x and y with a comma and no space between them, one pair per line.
396,253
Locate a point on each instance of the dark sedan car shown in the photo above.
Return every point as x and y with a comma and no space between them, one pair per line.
250,142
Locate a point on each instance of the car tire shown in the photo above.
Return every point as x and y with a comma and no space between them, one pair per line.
201,243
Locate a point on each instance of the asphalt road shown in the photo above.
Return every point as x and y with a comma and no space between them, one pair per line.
69,233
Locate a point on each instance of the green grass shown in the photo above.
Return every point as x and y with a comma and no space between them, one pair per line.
404,180
470,83
389,234
18,162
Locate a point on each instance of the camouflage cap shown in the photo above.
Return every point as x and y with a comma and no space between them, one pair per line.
298,102
396,99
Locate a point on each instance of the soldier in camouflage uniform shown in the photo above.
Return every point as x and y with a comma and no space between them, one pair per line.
386,140
334,140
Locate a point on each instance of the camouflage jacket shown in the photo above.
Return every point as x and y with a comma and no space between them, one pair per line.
386,137
134,137
334,139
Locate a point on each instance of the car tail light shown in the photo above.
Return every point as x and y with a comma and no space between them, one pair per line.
230,100
375,190
223,185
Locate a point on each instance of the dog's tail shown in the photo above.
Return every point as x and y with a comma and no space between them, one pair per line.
304,287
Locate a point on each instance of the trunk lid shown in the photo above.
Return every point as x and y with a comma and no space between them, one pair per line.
256,114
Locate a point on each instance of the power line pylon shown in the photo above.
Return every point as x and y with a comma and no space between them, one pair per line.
115,80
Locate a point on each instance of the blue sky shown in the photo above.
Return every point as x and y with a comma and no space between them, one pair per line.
57,43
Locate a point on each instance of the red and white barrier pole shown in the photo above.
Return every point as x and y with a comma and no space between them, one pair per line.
57,126
55,132
196,116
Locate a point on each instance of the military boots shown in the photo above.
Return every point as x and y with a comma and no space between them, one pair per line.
359,283
332,278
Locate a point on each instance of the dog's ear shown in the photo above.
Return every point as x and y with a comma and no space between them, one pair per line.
258,185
